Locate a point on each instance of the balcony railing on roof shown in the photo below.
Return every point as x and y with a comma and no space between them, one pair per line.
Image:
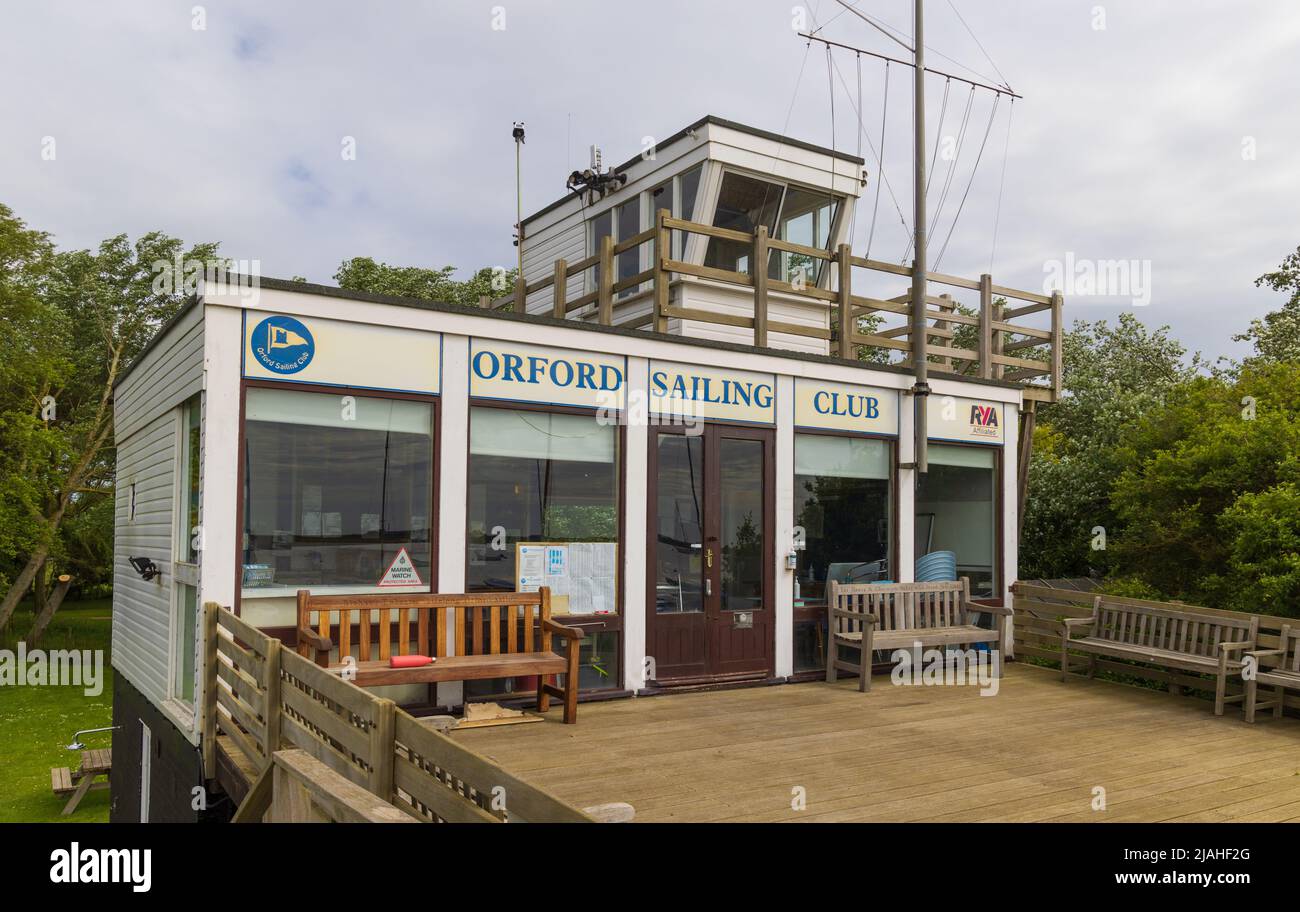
1003,350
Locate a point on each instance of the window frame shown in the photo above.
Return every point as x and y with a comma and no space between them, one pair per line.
329,389
647,220
818,612
841,199
999,519
185,573
588,623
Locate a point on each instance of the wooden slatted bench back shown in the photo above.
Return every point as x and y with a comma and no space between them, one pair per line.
1172,630
899,606
379,626
1289,644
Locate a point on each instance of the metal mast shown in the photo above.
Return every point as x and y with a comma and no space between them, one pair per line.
921,388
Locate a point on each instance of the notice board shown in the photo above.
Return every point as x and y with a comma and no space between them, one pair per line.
582,576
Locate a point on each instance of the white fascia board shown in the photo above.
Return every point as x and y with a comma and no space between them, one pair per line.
637,346
785,161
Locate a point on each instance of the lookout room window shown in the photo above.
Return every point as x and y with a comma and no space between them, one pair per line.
795,214
806,218
628,263
744,203
956,511
336,489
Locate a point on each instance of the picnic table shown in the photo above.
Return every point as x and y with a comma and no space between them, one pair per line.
64,781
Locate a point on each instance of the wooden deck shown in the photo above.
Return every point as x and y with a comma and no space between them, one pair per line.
1034,752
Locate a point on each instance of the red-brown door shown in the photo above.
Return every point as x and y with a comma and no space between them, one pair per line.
710,555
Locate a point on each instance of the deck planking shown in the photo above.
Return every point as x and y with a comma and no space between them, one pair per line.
1032,753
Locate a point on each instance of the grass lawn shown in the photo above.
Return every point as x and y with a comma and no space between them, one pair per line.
37,722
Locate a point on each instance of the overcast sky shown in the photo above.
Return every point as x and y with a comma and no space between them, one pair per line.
1158,131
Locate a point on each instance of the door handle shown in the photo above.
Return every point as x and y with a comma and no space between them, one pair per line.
708,588
708,558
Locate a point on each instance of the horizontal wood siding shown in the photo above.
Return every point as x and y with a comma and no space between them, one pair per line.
565,241
145,425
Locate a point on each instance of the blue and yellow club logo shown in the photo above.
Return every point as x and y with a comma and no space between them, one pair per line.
282,345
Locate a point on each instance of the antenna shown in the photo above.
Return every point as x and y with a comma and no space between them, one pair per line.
594,182
518,134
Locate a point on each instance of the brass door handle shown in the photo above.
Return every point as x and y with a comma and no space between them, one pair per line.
708,558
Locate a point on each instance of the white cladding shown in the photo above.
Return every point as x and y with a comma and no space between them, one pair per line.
563,232
146,420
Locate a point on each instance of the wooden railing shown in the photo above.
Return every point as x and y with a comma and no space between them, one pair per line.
1037,626
266,699
1003,349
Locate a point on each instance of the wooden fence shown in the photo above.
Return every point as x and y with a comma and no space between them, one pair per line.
1039,610
1004,350
265,698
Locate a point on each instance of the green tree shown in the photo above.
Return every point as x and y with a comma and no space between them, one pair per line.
1113,375
1276,336
83,317
364,274
1207,492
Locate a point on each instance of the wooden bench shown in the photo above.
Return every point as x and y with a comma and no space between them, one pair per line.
871,616
1186,640
94,763
495,635
1282,673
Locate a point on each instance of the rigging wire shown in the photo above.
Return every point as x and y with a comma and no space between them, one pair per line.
881,24
899,209
884,111
938,135
997,212
952,168
853,225
932,219
1005,82
830,85
970,183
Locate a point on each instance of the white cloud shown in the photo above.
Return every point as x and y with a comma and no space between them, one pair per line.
1127,145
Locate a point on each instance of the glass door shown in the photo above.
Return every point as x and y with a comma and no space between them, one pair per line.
711,558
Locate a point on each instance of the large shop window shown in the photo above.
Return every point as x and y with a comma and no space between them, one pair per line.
548,477
336,487
842,501
956,510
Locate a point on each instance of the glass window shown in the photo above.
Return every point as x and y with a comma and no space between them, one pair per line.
679,539
335,488
744,203
186,631
842,501
537,476
192,453
661,197
689,189
602,226
629,224
956,511
185,594
807,217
